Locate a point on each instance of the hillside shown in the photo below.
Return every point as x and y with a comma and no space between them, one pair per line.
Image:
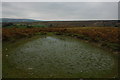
35,23
96,23
16,20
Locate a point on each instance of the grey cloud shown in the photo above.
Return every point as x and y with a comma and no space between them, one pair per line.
61,10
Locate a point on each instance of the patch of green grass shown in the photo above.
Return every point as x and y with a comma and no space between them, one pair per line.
113,46
39,26
41,33
25,26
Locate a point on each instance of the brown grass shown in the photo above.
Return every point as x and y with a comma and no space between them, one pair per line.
107,37
109,34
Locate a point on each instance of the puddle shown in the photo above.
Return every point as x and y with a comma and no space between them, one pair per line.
58,57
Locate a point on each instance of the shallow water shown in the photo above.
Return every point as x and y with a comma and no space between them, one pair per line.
53,56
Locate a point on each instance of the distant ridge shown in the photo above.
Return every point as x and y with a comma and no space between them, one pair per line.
17,20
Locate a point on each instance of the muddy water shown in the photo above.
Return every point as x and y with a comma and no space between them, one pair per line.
53,56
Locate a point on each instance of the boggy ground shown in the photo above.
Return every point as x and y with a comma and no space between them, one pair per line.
104,37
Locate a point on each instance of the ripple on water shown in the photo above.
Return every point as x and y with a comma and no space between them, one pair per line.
52,55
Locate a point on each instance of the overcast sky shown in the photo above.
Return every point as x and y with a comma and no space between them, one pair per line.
61,10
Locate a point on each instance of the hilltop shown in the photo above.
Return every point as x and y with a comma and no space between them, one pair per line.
16,20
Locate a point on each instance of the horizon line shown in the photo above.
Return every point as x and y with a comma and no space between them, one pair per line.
66,19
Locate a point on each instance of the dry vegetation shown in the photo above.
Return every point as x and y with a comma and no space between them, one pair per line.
108,36
104,33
